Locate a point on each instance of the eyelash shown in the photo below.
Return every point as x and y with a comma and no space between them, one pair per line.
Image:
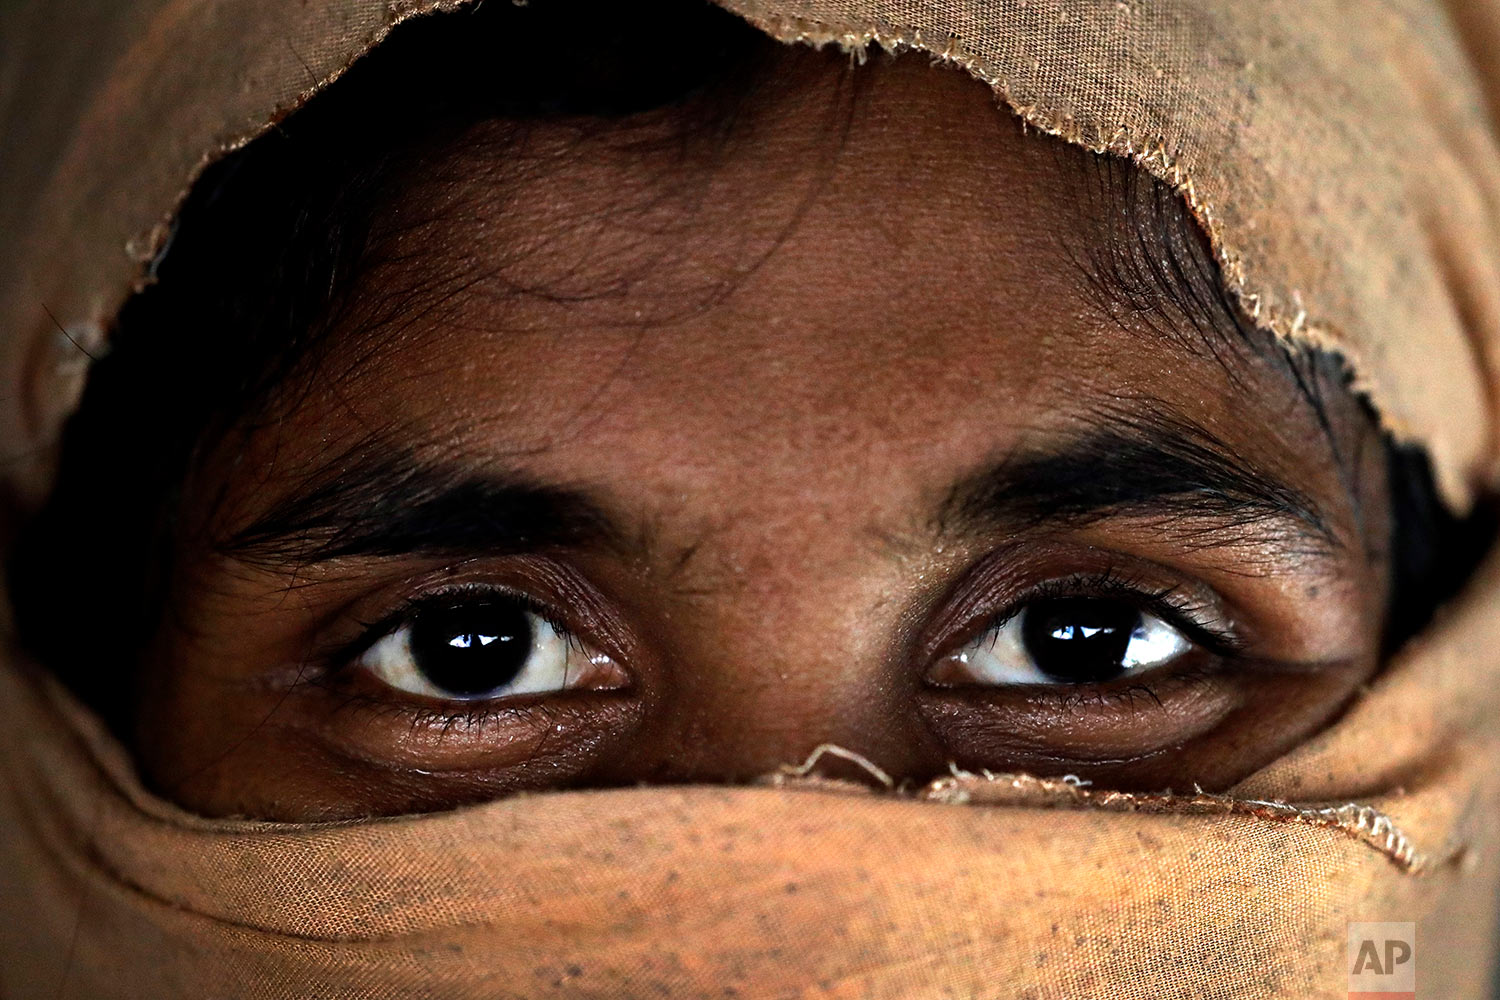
1193,619
470,718
373,632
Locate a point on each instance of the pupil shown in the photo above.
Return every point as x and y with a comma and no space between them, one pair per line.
471,649
1079,640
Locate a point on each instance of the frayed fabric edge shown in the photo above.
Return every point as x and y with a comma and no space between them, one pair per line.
1358,821
1361,822
1364,823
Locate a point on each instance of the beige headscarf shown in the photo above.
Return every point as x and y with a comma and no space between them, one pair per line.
1342,156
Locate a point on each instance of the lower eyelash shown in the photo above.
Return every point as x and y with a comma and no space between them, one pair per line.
1076,699
471,719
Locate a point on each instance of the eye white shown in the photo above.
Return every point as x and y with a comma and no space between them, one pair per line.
553,663
999,655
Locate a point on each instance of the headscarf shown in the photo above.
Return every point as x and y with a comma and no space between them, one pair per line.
1342,157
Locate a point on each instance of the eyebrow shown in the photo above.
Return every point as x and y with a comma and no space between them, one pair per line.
1113,464
401,505
1149,465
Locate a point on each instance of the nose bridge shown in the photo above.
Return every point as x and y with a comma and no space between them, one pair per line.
793,651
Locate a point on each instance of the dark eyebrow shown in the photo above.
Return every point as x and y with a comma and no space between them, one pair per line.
1147,464
400,505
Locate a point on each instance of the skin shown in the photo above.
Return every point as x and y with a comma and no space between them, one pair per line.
774,359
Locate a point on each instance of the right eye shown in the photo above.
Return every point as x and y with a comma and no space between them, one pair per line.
486,648
1066,640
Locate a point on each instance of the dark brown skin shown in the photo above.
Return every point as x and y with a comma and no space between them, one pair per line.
769,362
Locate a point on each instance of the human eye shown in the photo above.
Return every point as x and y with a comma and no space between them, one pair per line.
484,646
1059,637
1129,672
427,689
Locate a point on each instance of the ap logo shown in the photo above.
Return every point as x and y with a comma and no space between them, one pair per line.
1382,961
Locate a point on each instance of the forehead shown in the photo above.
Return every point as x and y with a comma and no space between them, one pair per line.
839,273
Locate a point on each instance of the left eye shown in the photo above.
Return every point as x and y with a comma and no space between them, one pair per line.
475,650
1065,640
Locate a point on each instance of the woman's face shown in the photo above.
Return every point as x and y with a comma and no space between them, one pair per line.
865,419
